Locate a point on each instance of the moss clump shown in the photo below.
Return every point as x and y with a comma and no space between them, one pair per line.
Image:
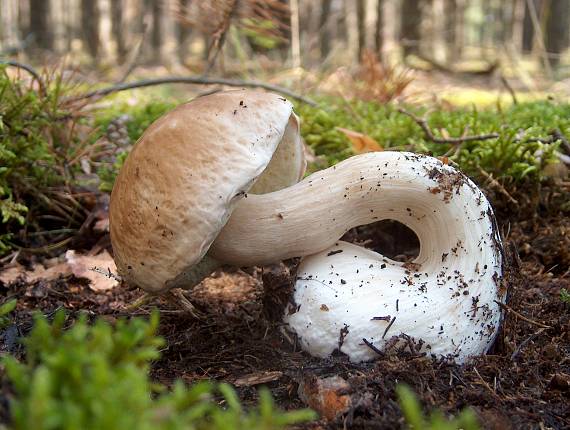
524,146
39,148
96,377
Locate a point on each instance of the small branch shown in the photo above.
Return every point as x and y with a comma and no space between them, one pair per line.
178,298
372,347
486,385
388,327
422,122
106,273
30,70
509,89
525,342
495,184
195,81
522,317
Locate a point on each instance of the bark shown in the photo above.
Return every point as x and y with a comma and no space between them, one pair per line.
379,29
528,27
183,33
40,24
557,33
324,33
411,17
117,28
361,26
90,26
156,35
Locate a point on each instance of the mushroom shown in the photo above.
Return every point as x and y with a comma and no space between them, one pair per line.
186,174
354,300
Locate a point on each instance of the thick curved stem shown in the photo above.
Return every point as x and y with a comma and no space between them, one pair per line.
443,207
446,300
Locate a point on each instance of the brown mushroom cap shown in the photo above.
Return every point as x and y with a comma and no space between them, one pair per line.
184,176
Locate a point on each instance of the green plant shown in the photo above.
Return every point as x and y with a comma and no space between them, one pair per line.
415,418
96,376
565,295
5,311
524,146
39,153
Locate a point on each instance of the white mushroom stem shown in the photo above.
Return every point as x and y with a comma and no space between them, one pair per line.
441,205
355,300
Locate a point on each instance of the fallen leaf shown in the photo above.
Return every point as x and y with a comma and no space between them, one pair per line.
38,272
330,396
360,142
82,267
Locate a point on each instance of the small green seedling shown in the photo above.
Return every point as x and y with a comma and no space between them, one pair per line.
416,419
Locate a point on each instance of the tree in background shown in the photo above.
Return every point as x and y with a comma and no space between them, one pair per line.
410,19
40,25
90,26
557,29
117,17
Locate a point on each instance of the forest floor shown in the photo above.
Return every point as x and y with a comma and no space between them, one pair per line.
524,381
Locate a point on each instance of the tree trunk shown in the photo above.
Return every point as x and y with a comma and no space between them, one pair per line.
117,28
528,27
451,28
183,31
361,26
379,29
557,33
517,26
411,18
156,35
324,33
40,24
90,26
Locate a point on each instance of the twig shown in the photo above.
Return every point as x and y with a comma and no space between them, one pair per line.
178,298
372,347
196,81
486,384
522,317
525,342
509,89
494,183
422,122
141,301
106,273
28,69
136,52
388,327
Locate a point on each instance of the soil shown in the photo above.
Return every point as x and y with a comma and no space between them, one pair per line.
523,383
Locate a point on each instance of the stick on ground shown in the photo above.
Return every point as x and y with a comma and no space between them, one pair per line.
194,80
422,122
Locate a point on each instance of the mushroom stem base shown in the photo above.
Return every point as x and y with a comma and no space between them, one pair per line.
195,274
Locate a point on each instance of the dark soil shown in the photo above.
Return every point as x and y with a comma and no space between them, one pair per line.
524,382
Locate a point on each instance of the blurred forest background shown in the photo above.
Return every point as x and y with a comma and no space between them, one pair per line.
525,39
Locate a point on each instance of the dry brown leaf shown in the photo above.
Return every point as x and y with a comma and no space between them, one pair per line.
38,273
360,142
82,267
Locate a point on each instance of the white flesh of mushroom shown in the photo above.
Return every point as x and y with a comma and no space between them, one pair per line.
445,299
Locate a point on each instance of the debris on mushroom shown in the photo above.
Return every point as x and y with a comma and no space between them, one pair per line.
186,174
356,301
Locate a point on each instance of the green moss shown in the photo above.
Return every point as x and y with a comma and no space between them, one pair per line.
96,377
36,146
519,154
